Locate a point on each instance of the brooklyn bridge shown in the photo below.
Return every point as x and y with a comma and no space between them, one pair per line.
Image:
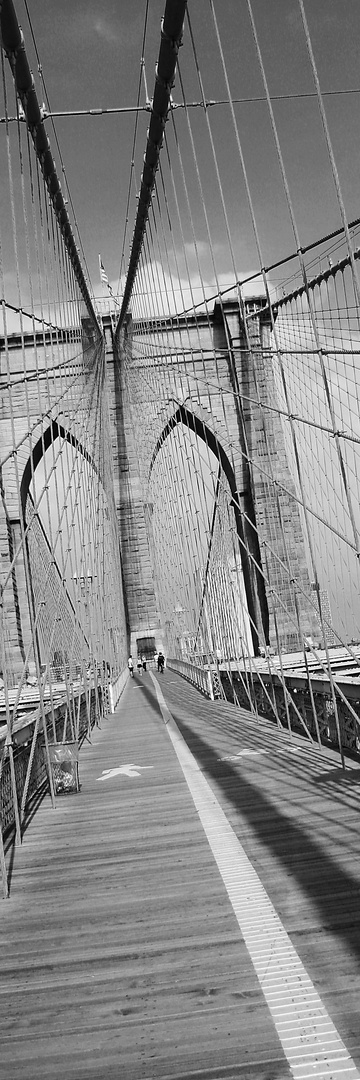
179,475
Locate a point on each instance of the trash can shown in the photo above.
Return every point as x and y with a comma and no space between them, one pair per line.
64,764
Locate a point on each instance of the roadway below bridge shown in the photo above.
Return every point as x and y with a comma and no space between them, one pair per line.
193,913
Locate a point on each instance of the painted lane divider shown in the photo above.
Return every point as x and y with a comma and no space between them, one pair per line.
310,1040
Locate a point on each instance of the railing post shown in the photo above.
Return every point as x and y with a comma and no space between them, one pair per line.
2,853
3,866
210,686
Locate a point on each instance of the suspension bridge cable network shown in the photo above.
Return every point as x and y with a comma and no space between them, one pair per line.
186,473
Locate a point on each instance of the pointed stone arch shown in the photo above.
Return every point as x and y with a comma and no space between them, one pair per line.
53,432
253,578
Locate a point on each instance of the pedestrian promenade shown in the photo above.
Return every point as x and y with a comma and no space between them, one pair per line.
192,914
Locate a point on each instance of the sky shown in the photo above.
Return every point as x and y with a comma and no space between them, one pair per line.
90,56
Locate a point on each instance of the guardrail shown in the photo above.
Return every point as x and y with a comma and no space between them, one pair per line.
24,773
199,676
116,688
288,699
299,709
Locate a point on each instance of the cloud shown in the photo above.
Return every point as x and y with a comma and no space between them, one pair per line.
123,33
112,27
107,31
159,293
326,16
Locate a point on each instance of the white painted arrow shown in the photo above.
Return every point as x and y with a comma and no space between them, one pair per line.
123,770
244,753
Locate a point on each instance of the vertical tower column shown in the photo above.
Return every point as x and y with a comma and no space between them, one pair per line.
134,517
282,554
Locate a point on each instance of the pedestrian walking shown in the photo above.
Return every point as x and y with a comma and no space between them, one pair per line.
144,663
131,667
139,665
161,662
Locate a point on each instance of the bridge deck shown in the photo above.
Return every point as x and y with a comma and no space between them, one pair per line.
121,953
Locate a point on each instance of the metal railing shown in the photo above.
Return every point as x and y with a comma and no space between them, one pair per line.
24,776
199,676
301,710
286,701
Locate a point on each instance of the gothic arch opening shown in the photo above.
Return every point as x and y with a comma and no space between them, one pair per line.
74,575
223,487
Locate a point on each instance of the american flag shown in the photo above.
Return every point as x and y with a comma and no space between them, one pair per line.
103,276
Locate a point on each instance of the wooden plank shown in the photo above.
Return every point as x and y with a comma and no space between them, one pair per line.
120,951
297,816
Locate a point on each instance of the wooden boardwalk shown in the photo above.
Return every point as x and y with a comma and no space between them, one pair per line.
138,941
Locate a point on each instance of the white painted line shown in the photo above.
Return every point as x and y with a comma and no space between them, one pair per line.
318,1051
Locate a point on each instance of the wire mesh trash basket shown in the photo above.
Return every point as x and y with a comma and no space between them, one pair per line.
64,764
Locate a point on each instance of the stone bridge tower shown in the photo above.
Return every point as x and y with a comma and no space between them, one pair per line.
248,441
52,400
